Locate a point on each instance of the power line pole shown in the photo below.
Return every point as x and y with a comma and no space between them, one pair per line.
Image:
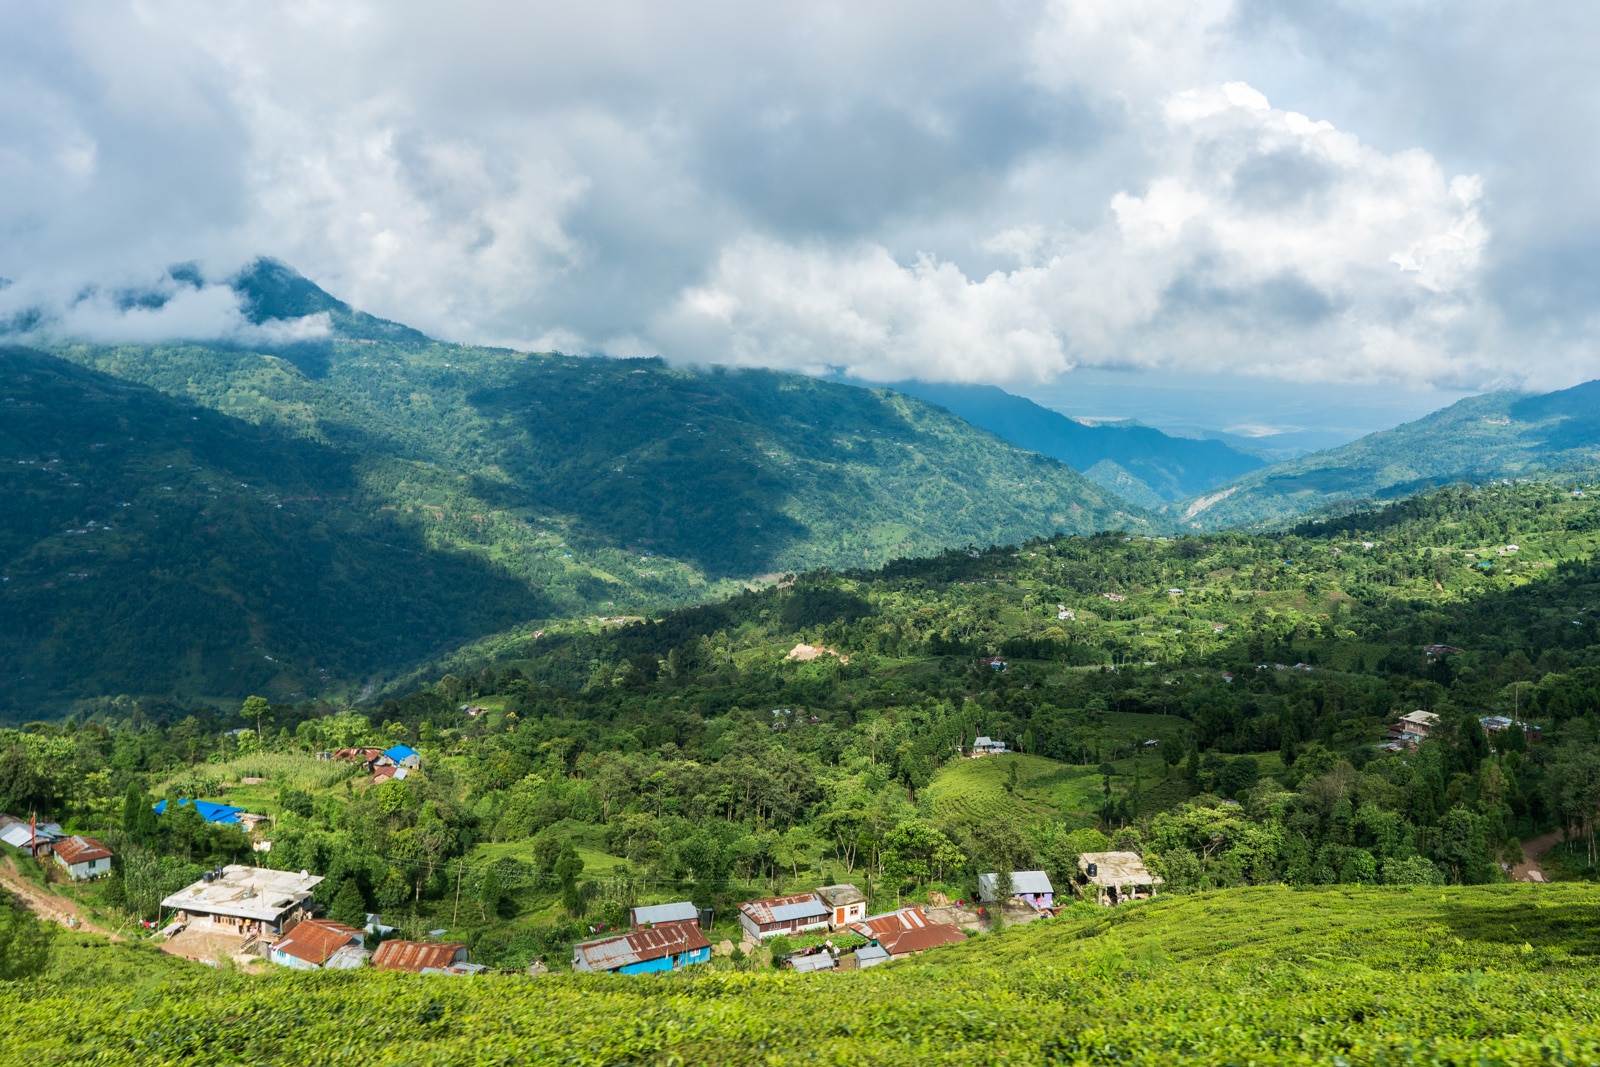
457,910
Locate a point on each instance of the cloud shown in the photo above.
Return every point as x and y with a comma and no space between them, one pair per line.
1341,192
1265,235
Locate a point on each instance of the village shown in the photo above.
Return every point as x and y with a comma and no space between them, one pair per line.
259,917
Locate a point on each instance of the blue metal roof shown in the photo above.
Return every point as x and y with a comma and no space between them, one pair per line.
400,752
209,811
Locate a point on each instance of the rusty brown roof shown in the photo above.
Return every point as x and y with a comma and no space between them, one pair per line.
77,849
316,939
919,940
413,956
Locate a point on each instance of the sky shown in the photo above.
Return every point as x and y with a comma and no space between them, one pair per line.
1252,216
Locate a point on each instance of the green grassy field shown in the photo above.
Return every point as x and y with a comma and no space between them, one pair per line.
1482,975
975,790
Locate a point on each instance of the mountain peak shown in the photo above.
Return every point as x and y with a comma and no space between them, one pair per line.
271,289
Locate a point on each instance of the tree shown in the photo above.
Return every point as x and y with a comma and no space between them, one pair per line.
348,906
259,711
489,893
567,868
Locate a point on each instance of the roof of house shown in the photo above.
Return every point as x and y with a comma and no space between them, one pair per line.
246,893
785,909
400,752
1117,869
668,939
416,956
316,939
684,911
931,936
77,849
867,955
17,835
816,961
1420,718
1032,882
890,922
839,896
209,810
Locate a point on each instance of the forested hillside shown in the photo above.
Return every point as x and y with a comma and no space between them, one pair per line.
493,487
1498,435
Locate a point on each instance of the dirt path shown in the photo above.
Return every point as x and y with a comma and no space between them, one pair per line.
1533,850
46,905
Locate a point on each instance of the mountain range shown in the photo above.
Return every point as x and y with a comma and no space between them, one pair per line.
433,494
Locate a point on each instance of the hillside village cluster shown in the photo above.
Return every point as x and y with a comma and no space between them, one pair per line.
250,913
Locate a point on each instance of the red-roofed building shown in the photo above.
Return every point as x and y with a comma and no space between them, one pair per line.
903,944
83,857
321,944
419,956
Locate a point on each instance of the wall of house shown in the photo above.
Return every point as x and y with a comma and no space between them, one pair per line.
295,963
668,963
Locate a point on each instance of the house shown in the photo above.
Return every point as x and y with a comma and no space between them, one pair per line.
1031,886
420,957
668,947
871,956
83,857
908,942
402,756
36,839
1440,650
994,663
369,756
987,746
847,904
321,944
654,914
783,915
1416,726
1117,877
384,772
890,923
245,900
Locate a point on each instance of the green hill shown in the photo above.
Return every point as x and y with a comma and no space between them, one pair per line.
443,493
152,546
1342,975
1482,438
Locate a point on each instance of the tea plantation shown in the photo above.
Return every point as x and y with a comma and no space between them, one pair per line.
1340,975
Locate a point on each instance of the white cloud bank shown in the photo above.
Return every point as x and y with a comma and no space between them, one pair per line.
952,191
1269,243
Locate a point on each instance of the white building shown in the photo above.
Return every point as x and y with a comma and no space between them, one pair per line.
245,900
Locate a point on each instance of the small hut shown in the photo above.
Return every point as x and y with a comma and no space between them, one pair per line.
1116,877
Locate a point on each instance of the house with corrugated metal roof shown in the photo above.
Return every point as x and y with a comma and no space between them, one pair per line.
320,944
667,947
652,914
908,942
871,956
811,962
890,922
401,756
1031,886
420,957
83,857
793,914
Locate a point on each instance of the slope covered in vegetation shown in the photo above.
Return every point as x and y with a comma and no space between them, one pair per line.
1498,435
1489,975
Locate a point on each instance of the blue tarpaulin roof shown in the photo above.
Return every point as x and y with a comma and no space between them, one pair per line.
209,811
400,752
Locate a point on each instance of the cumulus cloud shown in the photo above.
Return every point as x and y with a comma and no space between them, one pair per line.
1346,191
1269,242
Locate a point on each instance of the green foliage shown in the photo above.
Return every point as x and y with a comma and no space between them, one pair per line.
26,944
1269,976
348,906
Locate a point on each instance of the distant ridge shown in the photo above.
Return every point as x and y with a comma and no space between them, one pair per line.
1139,463
1481,438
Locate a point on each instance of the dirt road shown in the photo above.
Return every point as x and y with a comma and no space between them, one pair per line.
1533,850
46,905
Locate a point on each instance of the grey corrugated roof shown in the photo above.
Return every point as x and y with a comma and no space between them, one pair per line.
817,961
809,909
1021,882
871,956
666,913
